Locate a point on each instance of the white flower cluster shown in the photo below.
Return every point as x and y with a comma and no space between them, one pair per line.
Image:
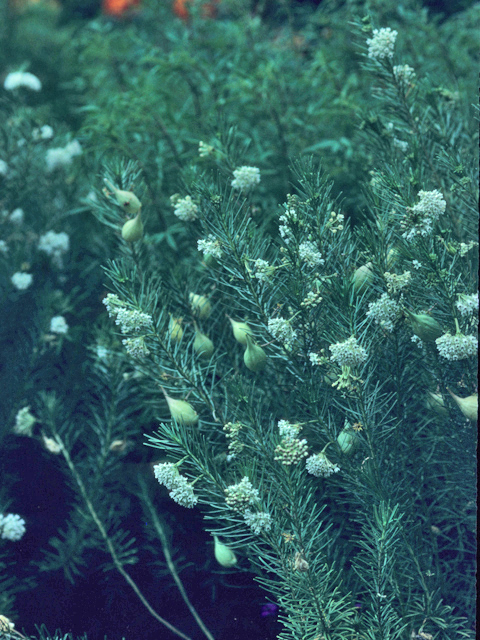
395,282
320,466
420,218
130,320
258,522
205,150
136,347
467,304
404,74
21,280
210,246
3,168
54,245
245,178
384,311
24,422
465,247
312,299
309,253
3,246
184,208
62,156
457,347
291,451
282,331
17,79
348,353
17,216
43,133
286,219
288,430
58,324
12,527
263,270
316,359
400,144
241,495
180,490
382,44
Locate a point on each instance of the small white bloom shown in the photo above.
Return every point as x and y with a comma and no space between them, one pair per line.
396,282
17,216
21,280
315,358
58,324
263,270
320,466
457,347
43,133
241,495
24,422
131,320
282,331
348,353
205,150
309,253
416,264
467,304
420,219
384,311
54,245
258,522
382,44
17,79
136,347
12,527
288,430
62,156
184,208
404,74
245,178
3,246
3,168
210,246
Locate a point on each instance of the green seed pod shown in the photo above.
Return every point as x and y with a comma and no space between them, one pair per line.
181,411
468,406
347,440
434,402
223,554
200,306
254,357
126,199
240,330
175,329
425,327
202,345
132,230
362,277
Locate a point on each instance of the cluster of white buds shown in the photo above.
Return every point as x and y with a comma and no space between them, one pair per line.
180,490
241,495
348,353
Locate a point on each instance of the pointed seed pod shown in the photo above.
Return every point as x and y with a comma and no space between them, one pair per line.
181,411
223,554
202,345
200,306
254,357
362,277
240,329
132,230
126,199
425,327
434,402
347,440
468,406
175,329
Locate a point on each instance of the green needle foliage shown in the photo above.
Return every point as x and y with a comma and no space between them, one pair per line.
312,184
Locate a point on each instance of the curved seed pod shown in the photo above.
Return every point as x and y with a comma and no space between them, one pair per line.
434,402
200,306
223,554
175,329
126,199
181,411
254,357
347,440
468,406
202,345
240,329
425,327
362,277
132,230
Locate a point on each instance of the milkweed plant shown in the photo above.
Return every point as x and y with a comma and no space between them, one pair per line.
247,258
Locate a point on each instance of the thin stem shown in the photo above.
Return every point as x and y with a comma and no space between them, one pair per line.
110,547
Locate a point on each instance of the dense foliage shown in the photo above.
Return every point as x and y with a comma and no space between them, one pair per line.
238,264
